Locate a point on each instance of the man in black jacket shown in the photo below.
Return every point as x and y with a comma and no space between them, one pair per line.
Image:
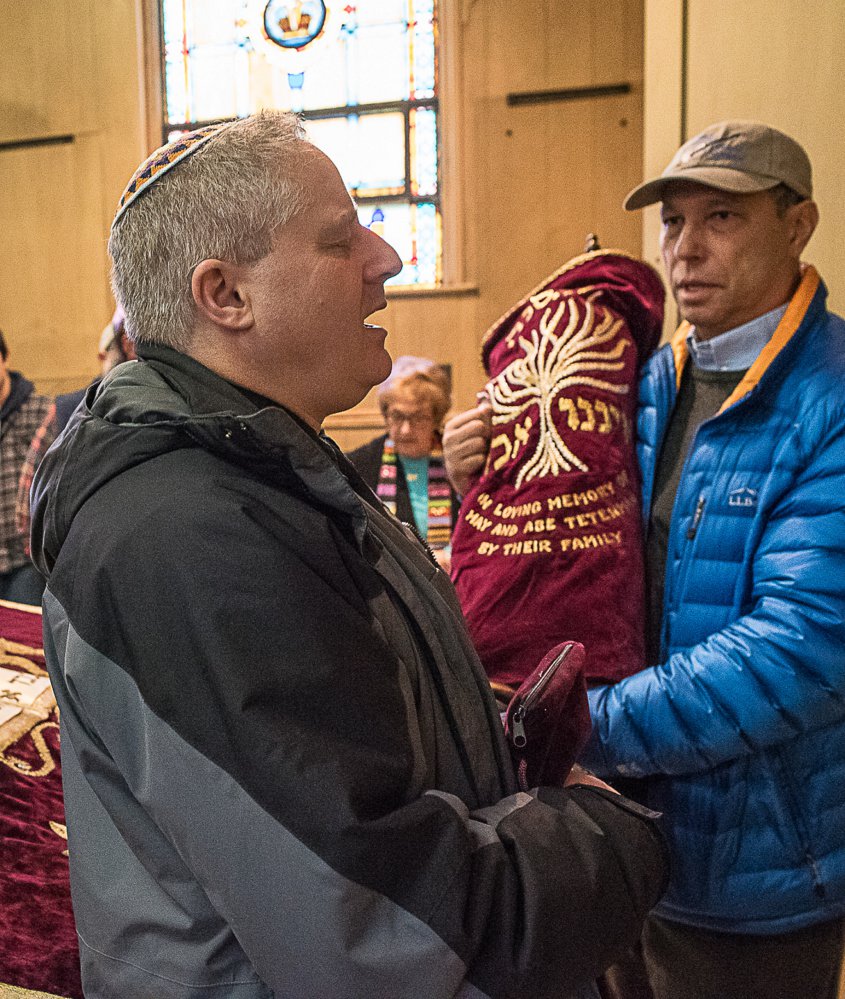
284,772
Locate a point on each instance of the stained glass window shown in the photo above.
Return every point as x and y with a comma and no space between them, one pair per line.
365,77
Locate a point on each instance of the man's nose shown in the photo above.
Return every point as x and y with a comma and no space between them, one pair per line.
689,242
384,262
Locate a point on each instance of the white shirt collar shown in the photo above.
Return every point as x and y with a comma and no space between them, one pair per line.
736,349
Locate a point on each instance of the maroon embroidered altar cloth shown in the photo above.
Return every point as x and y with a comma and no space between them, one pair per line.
38,948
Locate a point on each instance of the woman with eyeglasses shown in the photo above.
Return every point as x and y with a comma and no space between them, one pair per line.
404,466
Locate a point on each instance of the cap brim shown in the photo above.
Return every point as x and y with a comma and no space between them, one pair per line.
722,178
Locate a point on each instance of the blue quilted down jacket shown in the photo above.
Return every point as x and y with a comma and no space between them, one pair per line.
739,733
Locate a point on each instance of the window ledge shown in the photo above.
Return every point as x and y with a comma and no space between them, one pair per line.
429,290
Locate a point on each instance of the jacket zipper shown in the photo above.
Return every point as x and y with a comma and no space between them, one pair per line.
800,829
692,530
429,550
519,737
679,577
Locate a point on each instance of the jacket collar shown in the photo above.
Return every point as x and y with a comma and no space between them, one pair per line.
168,401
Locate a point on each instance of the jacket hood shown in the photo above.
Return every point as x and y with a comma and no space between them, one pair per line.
163,402
20,389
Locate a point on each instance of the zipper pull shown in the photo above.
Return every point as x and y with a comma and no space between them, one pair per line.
519,739
518,728
696,518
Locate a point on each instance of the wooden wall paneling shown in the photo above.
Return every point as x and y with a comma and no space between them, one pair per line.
445,333
73,68
616,40
554,173
118,86
613,153
51,283
42,69
515,55
546,174
452,151
663,101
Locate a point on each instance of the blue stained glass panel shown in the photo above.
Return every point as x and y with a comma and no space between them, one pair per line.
429,232
424,49
424,152
176,88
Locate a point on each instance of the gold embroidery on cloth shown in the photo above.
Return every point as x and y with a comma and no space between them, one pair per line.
61,831
16,992
551,364
13,654
48,764
31,718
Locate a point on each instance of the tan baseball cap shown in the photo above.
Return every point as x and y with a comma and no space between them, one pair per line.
738,156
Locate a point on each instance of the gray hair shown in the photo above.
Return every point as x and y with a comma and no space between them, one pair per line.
785,198
225,201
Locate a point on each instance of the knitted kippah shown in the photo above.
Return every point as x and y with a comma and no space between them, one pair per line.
163,159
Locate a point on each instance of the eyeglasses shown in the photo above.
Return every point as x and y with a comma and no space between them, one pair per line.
395,418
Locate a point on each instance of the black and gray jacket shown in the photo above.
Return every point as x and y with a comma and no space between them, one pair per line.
284,773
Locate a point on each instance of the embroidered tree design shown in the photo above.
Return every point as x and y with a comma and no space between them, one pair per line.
552,363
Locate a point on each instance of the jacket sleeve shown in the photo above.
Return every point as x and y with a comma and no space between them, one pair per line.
273,740
43,438
775,672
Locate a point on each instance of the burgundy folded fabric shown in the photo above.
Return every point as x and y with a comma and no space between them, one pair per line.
548,719
38,948
548,545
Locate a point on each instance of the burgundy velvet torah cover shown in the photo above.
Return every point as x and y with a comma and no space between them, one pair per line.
548,544
38,948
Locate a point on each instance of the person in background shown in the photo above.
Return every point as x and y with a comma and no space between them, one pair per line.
114,348
22,410
284,771
736,727
404,467
115,344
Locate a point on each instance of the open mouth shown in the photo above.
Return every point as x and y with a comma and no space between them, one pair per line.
691,292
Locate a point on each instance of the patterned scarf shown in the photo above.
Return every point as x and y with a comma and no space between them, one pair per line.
439,495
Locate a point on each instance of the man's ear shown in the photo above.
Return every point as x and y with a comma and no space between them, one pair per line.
804,218
127,347
220,296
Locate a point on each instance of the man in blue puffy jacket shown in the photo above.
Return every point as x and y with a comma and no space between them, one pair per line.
737,733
